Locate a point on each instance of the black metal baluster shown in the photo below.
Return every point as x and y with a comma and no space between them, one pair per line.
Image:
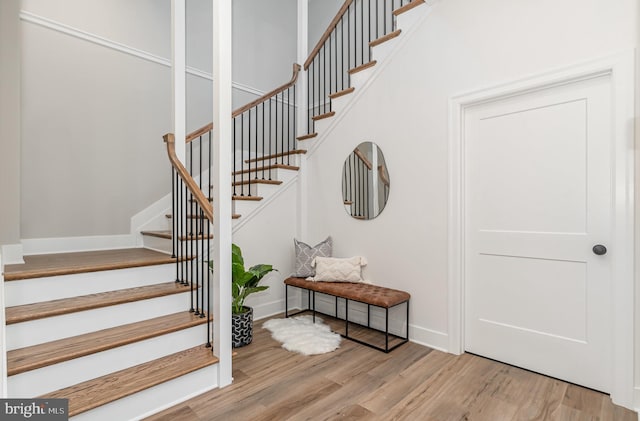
234,156
263,164
330,90
281,129
309,98
255,138
270,132
242,154
288,127
185,236
362,32
295,119
249,155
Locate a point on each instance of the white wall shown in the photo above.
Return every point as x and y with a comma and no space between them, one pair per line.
461,47
268,238
320,14
93,117
10,46
264,42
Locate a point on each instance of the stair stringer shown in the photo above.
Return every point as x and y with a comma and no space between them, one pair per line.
408,22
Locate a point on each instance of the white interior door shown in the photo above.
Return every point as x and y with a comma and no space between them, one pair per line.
537,192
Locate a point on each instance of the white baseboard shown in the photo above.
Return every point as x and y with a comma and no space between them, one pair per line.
427,337
12,254
636,401
72,244
262,311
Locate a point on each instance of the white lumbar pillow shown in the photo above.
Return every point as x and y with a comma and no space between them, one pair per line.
335,269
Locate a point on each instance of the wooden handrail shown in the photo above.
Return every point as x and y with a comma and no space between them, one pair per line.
204,129
327,33
196,134
363,158
263,98
191,184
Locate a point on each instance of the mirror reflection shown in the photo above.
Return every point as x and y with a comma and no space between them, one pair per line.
365,182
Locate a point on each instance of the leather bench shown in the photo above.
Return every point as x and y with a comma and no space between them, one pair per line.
371,295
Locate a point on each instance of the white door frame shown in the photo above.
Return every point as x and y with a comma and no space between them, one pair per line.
620,68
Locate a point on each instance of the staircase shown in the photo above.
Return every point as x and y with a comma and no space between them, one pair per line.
267,155
126,333
109,330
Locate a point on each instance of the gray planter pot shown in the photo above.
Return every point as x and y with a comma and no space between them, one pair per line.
242,328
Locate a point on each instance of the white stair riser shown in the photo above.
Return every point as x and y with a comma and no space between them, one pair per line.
156,243
244,207
34,332
273,174
47,379
381,52
286,160
155,399
256,189
35,290
410,18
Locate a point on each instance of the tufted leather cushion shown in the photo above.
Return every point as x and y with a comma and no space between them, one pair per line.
366,293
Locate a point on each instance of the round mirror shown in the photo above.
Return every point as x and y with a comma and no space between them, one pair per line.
365,182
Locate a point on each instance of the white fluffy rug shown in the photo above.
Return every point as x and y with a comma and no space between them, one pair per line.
300,334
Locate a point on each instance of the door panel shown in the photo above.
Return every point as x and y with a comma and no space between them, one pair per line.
537,199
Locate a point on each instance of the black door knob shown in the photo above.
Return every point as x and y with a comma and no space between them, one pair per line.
599,249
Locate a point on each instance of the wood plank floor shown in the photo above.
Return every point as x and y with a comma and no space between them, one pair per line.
411,383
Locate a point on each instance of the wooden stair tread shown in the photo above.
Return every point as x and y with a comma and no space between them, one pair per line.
362,67
102,390
407,7
257,181
307,136
250,198
339,94
42,355
385,38
26,312
323,116
159,234
189,216
276,155
267,168
235,216
37,266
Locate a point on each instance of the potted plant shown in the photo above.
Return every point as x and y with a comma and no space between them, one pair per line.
243,283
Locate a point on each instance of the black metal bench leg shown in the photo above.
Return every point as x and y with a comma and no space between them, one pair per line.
286,301
386,330
313,294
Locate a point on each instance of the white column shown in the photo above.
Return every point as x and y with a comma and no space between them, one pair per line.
222,138
178,74
301,103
